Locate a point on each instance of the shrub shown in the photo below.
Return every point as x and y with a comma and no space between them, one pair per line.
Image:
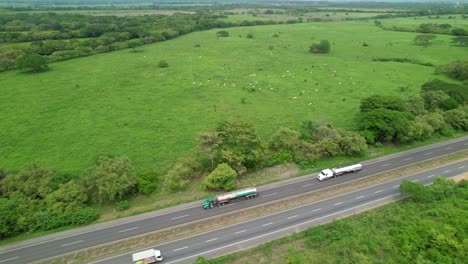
250,36
122,205
163,64
322,47
222,33
223,177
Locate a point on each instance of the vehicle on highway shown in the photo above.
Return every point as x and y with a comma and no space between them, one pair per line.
332,173
222,199
147,256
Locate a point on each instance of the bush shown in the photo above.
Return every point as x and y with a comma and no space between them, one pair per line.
250,36
223,177
163,64
322,47
455,69
222,33
457,118
122,205
147,182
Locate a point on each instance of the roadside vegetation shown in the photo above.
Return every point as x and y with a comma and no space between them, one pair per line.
200,114
427,227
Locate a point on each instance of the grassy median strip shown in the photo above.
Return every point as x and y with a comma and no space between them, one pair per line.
220,221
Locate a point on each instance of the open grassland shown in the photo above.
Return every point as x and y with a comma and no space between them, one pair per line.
323,15
411,23
122,103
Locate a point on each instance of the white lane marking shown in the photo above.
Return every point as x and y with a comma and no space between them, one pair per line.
386,164
178,217
8,259
461,167
280,230
291,217
179,248
242,231
307,185
317,210
415,180
270,194
125,230
396,186
447,171
359,197
429,153
465,144
267,224
210,240
448,148
430,176
378,191
408,159
76,242
338,203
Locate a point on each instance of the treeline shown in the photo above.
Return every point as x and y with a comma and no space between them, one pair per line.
434,28
429,227
38,198
60,37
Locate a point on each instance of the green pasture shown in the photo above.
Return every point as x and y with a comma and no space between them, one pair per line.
413,22
122,103
329,16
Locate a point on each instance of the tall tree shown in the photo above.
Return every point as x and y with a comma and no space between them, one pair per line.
33,62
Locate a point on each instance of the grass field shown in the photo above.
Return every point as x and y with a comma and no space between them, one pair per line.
412,23
121,103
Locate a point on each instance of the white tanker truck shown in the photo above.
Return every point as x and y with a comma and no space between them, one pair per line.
332,173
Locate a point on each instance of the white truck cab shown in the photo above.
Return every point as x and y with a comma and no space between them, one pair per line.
325,174
147,256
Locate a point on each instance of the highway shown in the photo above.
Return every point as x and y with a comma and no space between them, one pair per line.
69,241
251,233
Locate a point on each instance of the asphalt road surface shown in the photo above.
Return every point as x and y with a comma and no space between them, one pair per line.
69,241
251,233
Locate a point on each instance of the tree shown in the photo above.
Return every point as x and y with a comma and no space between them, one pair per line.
68,198
414,105
8,58
434,100
111,178
416,191
322,47
163,64
34,62
457,118
222,33
241,147
380,101
458,31
456,69
385,124
223,177
460,40
423,39
209,143
32,181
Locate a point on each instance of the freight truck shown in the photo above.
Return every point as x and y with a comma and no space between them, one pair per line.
222,199
147,256
332,173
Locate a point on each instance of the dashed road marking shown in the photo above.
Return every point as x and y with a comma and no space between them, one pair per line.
307,185
461,167
242,231
210,240
125,230
378,191
178,217
430,176
429,153
408,159
72,243
317,210
396,186
291,217
179,248
9,259
359,197
338,203
385,164
416,180
447,171
267,224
